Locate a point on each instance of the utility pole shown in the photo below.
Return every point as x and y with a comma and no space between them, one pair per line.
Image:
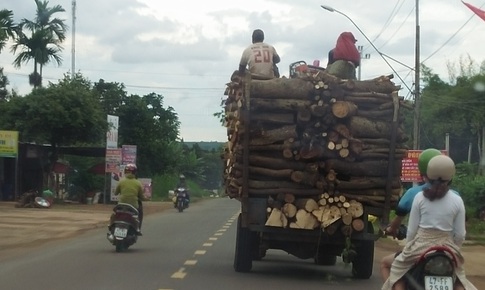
417,99
73,44
360,48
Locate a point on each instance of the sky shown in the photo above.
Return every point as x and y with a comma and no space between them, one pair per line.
187,50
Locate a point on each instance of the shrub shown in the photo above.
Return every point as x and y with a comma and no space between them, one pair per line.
470,186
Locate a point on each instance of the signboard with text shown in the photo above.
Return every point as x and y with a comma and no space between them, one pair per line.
409,169
112,134
9,143
147,186
128,154
113,160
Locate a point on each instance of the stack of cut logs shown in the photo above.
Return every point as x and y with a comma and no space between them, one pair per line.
316,146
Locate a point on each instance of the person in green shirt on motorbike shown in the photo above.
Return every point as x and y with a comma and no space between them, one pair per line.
130,191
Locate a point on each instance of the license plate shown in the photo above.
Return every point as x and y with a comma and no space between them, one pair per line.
438,283
120,232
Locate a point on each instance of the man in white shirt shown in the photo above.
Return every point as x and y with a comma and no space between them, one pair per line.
260,58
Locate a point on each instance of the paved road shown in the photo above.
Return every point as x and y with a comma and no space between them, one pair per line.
189,250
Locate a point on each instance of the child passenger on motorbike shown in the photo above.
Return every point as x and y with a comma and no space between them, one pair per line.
437,218
404,206
130,190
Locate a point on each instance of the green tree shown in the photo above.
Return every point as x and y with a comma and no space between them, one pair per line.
43,41
456,109
145,122
111,95
67,113
3,86
7,27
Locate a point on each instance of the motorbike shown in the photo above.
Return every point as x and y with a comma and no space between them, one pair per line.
434,270
123,226
181,201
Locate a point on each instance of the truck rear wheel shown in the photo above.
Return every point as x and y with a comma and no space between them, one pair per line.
245,239
363,262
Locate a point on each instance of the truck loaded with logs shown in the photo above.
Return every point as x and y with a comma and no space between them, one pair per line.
310,157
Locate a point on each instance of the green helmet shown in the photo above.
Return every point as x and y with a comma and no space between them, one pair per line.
425,157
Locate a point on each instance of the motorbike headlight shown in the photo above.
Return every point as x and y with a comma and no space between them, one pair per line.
439,265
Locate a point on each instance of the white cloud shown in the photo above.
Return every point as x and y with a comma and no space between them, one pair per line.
186,51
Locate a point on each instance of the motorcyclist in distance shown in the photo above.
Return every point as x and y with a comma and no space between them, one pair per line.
183,183
130,190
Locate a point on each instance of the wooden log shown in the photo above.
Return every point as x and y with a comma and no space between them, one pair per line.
303,115
374,114
322,213
276,219
343,109
274,147
307,204
375,193
278,105
380,86
358,225
334,215
274,118
296,192
343,130
319,110
276,173
289,210
280,88
363,127
275,135
304,177
289,198
347,218
274,163
364,199
371,168
355,209
261,184
306,220
358,183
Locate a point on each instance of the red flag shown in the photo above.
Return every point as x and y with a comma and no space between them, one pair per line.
476,10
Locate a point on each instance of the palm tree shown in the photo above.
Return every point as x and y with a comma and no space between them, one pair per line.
43,43
7,27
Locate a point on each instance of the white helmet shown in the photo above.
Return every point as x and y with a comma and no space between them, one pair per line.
441,167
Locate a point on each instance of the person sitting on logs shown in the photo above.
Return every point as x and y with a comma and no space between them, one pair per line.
260,58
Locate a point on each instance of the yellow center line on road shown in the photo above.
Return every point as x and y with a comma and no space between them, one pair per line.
207,245
212,239
218,234
200,252
222,230
190,262
180,274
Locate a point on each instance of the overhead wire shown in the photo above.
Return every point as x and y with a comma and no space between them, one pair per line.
388,21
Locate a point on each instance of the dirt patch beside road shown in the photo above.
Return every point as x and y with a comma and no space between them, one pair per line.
24,228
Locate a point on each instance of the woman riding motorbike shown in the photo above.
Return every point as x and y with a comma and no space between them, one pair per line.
437,218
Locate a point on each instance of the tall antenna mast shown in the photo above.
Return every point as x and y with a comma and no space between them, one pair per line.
73,45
